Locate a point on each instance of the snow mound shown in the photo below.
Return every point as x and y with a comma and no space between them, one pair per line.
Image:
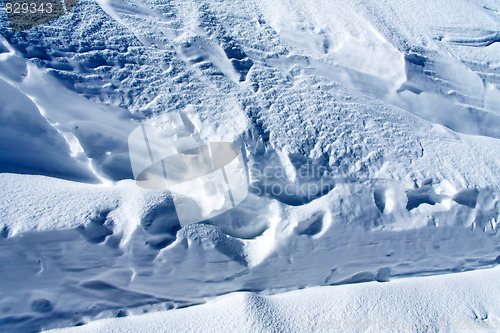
370,131
463,301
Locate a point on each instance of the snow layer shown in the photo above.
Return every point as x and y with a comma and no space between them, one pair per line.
462,302
370,129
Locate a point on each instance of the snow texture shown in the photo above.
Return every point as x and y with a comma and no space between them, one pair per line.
370,130
451,303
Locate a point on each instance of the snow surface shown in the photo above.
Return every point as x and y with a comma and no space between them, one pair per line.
462,302
390,107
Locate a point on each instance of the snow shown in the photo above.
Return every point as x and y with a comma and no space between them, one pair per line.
466,302
370,131
39,147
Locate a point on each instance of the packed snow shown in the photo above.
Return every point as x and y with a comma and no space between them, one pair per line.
370,131
451,303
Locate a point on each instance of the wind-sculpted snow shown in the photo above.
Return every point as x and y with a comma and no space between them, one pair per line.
370,132
456,302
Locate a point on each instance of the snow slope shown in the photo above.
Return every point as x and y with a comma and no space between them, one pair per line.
381,120
465,302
